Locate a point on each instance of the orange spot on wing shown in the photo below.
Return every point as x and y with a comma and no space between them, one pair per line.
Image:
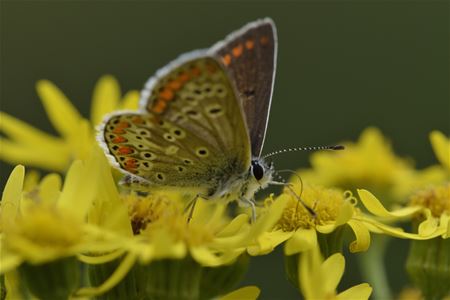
264,40
226,59
184,77
137,120
166,94
118,130
125,150
211,68
249,44
119,139
237,51
174,85
195,71
123,124
159,107
130,164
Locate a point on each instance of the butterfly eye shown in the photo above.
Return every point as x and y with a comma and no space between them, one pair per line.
257,170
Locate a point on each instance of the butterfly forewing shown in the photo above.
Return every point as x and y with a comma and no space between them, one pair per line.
192,131
250,56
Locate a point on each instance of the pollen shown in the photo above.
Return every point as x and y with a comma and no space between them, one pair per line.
436,198
147,210
326,204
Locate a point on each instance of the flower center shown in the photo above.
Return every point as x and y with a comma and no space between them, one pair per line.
436,198
326,204
148,209
45,225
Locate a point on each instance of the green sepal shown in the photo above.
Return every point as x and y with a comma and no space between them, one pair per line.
54,280
171,279
428,266
221,280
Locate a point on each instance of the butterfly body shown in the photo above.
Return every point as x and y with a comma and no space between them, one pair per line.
202,121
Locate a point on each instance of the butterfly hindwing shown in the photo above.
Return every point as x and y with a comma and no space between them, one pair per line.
191,133
250,56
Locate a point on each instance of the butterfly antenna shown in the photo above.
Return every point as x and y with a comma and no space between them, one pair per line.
298,197
313,148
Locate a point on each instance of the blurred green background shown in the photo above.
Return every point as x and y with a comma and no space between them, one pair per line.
342,66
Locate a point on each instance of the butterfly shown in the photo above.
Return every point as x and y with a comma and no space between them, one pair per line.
202,121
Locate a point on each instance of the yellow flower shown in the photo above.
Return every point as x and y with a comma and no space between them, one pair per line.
370,164
333,209
296,225
429,226
441,147
47,223
319,279
33,147
152,230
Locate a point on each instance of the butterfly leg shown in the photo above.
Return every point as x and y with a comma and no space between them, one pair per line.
191,206
252,205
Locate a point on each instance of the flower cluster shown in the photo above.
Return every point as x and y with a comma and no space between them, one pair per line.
85,236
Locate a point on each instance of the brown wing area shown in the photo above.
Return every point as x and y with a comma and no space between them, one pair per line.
192,135
250,56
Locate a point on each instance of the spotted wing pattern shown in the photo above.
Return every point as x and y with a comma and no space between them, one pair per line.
192,132
250,56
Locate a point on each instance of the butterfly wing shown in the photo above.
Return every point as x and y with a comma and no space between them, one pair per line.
191,131
250,55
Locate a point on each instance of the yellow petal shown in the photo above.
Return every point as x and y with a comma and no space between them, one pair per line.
130,100
31,180
333,267
398,232
81,141
60,111
267,241
244,293
24,133
207,257
234,226
11,196
361,292
302,240
345,214
8,260
49,188
108,210
310,275
105,99
441,147
375,207
362,236
42,157
429,225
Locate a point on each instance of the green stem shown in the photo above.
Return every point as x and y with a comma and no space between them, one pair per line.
373,268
